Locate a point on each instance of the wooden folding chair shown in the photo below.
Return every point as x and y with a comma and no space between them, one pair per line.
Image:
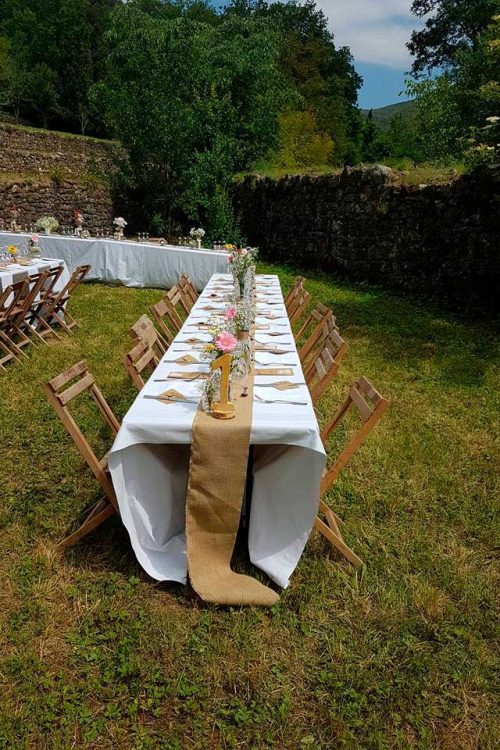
324,323
324,368
371,406
177,299
313,319
55,309
298,285
298,305
20,326
138,360
190,293
60,393
144,330
10,302
167,319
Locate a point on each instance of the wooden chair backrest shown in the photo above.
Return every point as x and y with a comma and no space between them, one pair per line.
76,277
144,330
139,359
29,295
315,316
177,298
163,312
190,292
51,280
298,305
325,323
324,368
11,297
297,284
60,393
370,406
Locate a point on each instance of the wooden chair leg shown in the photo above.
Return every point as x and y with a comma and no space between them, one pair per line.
42,323
98,514
15,349
331,531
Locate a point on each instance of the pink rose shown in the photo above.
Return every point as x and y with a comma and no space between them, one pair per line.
226,342
34,238
244,251
230,313
230,258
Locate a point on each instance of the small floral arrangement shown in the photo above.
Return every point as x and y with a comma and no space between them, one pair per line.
223,342
241,259
47,223
33,246
77,218
197,234
245,316
120,222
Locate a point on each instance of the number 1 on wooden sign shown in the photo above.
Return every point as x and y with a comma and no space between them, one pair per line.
223,409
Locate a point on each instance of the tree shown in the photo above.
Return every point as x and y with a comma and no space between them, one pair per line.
300,143
454,26
322,75
193,102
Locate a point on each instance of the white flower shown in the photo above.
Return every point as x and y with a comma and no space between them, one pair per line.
119,221
493,119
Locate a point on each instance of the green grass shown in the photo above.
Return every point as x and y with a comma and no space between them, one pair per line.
94,654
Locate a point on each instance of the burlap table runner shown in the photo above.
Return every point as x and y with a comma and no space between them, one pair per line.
217,476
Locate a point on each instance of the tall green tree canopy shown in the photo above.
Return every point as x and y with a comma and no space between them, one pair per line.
451,27
193,102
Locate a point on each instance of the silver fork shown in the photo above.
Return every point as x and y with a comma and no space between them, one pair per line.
279,401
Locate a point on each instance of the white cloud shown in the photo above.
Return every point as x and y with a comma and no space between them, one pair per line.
375,30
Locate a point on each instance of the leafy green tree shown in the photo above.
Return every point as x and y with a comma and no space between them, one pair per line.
56,45
451,27
373,144
320,73
301,145
193,102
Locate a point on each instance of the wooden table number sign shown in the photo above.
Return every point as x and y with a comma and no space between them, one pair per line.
223,409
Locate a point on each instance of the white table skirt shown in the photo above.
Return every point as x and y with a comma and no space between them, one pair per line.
149,461
131,264
16,272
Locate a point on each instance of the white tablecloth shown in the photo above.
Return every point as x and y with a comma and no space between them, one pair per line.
129,263
150,458
16,272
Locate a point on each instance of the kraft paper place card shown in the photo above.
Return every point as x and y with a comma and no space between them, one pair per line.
283,385
192,340
187,359
171,395
275,371
272,349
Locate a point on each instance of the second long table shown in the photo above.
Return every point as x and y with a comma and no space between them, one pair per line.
133,264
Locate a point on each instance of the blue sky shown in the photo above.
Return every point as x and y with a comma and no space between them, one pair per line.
376,31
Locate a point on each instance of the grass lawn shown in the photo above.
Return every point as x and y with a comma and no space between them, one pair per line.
94,654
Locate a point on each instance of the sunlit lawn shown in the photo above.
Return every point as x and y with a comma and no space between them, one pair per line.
94,654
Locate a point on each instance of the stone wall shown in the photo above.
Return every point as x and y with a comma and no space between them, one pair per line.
47,173
363,224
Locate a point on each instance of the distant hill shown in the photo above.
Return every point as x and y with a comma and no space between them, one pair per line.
382,117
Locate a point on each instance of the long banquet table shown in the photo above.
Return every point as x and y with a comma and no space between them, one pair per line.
149,460
15,272
129,263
